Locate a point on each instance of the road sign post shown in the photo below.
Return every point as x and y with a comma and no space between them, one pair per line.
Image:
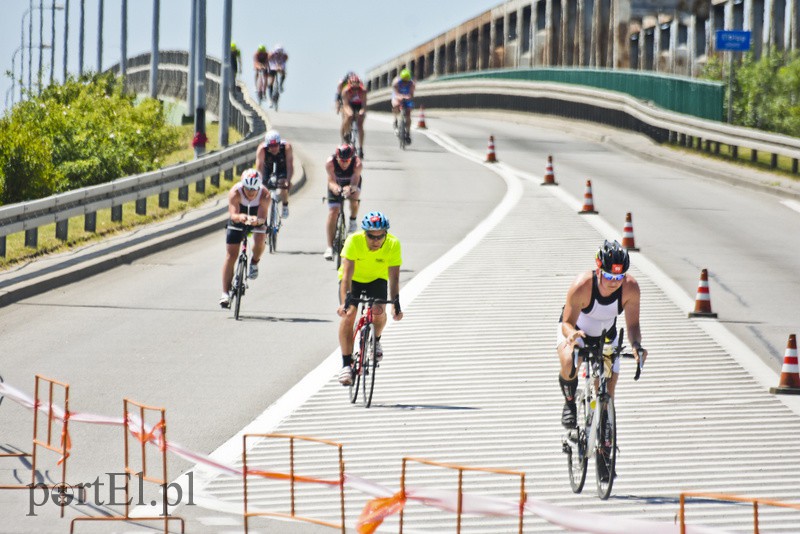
732,41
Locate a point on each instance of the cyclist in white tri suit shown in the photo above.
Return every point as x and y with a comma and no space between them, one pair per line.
248,205
277,65
594,301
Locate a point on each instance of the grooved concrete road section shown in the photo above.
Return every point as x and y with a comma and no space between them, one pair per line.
470,373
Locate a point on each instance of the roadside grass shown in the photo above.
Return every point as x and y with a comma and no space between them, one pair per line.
48,243
744,157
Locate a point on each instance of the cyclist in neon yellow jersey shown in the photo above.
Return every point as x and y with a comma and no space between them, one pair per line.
370,263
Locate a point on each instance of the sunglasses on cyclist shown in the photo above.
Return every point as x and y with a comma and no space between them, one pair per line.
612,277
376,237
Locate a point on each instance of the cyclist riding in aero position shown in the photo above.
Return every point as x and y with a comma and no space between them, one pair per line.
354,107
248,205
274,152
402,93
344,181
370,262
594,301
339,87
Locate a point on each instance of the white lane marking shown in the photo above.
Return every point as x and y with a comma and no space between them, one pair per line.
231,450
792,204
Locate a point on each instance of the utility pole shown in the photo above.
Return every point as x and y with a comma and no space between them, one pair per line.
154,50
30,45
80,37
200,138
192,61
66,36
100,36
225,90
123,45
41,50
53,42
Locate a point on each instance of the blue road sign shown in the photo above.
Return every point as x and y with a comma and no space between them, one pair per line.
736,40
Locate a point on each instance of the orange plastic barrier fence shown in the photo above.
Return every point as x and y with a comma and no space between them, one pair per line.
136,425
46,438
292,478
523,497
732,498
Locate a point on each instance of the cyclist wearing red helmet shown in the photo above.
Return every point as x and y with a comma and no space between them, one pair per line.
354,107
344,181
594,301
276,153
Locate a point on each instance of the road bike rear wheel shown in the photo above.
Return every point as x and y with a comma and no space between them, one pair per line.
577,459
357,370
370,365
606,453
239,281
272,228
401,130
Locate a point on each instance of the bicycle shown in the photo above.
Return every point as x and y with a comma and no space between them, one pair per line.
364,362
261,85
276,91
596,430
403,129
274,219
340,235
239,282
354,134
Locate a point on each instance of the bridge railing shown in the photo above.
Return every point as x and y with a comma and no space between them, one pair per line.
596,105
172,78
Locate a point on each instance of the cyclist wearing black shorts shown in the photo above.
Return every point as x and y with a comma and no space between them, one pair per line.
248,205
344,181
274,152
371,264
354,108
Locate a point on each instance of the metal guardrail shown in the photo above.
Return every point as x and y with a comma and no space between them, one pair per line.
29,216
607,107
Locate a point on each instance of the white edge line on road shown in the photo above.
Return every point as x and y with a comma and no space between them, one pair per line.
792,204
323,373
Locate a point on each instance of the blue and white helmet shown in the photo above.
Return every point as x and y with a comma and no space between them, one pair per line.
272,138
251,179
375,220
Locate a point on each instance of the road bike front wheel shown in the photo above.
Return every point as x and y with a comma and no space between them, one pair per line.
370,365
339,237
577,458
606,453
401,131
239,281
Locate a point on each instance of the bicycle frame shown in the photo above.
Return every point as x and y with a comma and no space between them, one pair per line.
364,363
239,282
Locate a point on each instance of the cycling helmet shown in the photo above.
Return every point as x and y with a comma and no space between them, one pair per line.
272,138
345,151
234,48
353,79
612,258
262,48
405,75
278,47
375,220
251,179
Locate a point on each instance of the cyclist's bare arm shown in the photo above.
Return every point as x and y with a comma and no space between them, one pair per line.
348,110
348,266
333,185
578,297
289,163
394,290
355,181
363,110
631,302
233,208
261,160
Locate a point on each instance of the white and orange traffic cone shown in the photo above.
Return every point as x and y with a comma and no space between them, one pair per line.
490,156
588,200
549,175
627,234
702,302
790,372
421,124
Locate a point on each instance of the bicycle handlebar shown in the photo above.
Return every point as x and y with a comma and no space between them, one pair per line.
597,349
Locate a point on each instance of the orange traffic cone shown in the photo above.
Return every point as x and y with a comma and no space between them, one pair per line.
790,372
491,157
421,124
702,302
588,201
627,234
549,175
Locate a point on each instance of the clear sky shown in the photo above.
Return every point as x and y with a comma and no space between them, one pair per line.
324,38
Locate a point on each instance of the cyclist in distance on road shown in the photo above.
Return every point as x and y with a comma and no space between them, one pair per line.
339,87
370,263
236,59
344,181
248,205
354,107
594,301
277,67
260,61
275,151
403,90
